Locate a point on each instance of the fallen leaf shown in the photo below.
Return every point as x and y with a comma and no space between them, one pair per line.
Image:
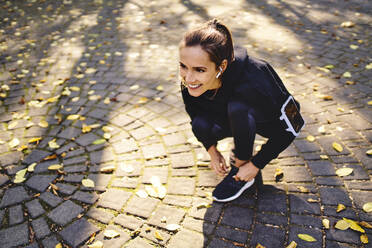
107,100
151,191
50,157
327,98
303,189
311,200
19,179
329,66
97,244
306,237
134,87
142,100
325,223
310,138
53,144
340,207
367,207
12,124
347,24
31,167
74,88
59,245
369,103
347,74
33,140
342,225
260,246
365,224
86,128
111,234
321,129
364,238
203,205
354,47
14,142
99,141
88,183
172,227
162,191
107,136
55,167
350,82
158,236
369,66
107,169
354,225
324,157
73,117
127,168
160,88
293,244
344,172
337,147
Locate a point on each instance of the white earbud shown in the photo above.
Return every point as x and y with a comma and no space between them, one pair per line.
219,73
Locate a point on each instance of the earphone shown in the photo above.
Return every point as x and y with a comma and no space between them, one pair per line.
219,73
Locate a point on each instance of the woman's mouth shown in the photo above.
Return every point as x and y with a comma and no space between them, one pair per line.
194,86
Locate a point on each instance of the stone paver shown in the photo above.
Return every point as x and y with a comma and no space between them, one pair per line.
106,83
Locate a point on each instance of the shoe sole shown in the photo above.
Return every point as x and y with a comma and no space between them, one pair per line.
246,186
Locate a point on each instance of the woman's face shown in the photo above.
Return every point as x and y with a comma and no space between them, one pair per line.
197,70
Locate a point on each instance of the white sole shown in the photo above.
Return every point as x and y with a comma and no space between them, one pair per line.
246,186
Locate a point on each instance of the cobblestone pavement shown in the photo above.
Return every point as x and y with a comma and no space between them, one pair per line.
89,90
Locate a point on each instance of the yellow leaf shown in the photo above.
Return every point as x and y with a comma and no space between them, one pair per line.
87,183
111,234
278,173
303,189
347,74
53,99
12,124
94,97
341,109
347,24
73,117
142,100
324,157
14,142
293,244
160,87
354,225
158,236
365,224
369,66
203,205
127,168
43,124
321,129
367,207
134,87
340,207
325,223
107,129
36,139
55,167
344,172
311,200
306,237
107,169
327,98
86,128
337,147
369,103
31,167
99,141
19,179
310,138
342,225
106,101
97,244
260,246
53,144
59,245
354,47
173,227
21,173
107,136
364,238
74,88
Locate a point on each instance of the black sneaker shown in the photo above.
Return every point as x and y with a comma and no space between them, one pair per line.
229,189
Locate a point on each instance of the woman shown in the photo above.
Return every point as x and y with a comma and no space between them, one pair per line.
229,94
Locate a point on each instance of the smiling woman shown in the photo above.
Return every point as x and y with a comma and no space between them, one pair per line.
230,94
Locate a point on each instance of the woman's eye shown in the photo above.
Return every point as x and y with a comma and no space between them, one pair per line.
200,70
182,66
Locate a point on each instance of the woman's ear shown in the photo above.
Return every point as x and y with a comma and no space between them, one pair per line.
223,65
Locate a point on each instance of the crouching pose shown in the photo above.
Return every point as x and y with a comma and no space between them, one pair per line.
230,94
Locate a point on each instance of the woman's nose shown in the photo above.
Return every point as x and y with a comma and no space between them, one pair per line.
189,78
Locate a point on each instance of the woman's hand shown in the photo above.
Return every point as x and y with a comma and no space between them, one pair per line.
218,163
246,172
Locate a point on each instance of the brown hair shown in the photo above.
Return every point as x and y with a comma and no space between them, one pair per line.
214,38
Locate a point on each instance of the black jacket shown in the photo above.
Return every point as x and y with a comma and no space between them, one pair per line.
246,79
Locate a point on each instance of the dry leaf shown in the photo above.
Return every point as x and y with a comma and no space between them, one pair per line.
337,147
327,98
354,225
369,103
53,144
310,138
365,224
340,207
260,246
107,169
278,173
151,191
347,74
134,87
321,129
306,237
369,152
367,207
14,142
344,172
12,124
342,225
160,88
75,88
107,100
158,236
172,227
31,167
311,200
87,183
347,24
73,117
107,136
203,205
99,141
50,157
111,234
364,238
36,139
55,167
325,223
293,244
59,245
86,128
97,244
303,189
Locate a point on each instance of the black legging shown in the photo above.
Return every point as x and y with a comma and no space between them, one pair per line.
241,124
